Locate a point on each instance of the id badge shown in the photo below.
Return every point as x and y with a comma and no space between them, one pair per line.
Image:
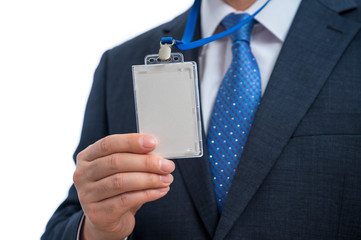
167,105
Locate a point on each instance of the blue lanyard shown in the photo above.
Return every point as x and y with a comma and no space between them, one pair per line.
186,43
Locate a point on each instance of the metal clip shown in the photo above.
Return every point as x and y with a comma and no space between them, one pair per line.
165,51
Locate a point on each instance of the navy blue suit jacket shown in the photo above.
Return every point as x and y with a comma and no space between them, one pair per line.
300,173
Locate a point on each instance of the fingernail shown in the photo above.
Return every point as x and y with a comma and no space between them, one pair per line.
148,141
163,190
166,166
167,178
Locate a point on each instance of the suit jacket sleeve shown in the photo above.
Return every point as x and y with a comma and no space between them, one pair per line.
65,222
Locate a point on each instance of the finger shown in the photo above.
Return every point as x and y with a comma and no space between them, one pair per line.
125,182
135,209
126,162
111,209
131,143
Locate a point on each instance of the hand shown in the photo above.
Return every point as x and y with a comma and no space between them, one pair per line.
114,177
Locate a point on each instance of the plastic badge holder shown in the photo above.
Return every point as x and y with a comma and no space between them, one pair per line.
167,105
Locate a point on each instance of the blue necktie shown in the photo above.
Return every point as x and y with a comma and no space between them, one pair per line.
234,109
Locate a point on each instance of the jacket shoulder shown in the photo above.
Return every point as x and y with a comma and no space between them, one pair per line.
148,42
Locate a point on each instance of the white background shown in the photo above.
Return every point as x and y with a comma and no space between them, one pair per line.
49,50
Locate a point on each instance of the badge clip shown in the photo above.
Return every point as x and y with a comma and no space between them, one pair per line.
165,51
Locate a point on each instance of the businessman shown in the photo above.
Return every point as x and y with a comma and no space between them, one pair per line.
296,170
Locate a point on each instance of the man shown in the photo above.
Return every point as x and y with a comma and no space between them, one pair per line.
299,175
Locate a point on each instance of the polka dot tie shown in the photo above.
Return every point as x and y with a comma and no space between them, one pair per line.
234,109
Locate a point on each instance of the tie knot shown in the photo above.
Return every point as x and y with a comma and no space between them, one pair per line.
244,32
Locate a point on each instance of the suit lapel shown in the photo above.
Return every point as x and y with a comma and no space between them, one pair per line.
314,44
195,171
197,177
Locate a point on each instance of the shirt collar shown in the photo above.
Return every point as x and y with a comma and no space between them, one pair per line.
277,16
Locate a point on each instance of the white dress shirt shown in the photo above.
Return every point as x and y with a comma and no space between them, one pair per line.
267,38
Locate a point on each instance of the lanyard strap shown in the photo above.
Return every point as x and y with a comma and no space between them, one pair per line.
186,43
